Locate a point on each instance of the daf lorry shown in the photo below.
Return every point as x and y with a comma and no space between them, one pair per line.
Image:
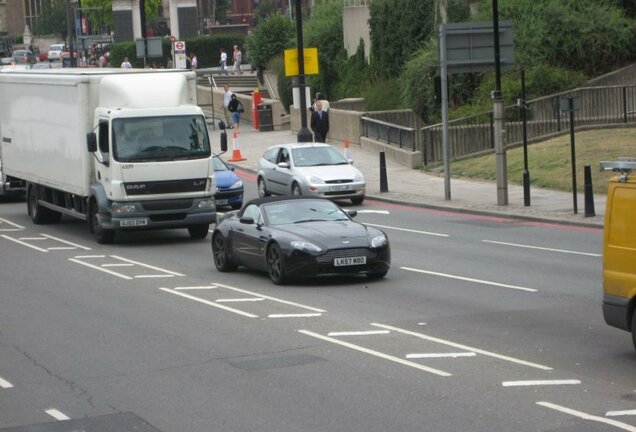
119,149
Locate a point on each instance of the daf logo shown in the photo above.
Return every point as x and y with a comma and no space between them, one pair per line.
136,187
199,182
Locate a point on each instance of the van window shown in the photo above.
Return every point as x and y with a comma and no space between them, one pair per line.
622,227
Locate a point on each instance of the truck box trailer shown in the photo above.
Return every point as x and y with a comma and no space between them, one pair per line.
120,149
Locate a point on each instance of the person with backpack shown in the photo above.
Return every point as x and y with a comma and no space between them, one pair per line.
236,108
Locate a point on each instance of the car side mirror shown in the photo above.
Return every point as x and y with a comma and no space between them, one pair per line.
352,213
247,220
91,142
283,165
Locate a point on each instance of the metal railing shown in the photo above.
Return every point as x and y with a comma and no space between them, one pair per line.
389,133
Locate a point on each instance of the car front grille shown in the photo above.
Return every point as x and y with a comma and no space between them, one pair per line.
328,257
340,181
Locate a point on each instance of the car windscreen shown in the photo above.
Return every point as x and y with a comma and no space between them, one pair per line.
56,47
143,139
302,211
317,156
219,165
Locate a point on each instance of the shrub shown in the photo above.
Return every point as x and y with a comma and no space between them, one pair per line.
383,94
269,39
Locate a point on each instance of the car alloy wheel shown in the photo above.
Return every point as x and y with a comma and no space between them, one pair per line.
220,254
276,265
296,190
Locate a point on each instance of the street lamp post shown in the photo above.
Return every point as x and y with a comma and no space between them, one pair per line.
304,134
498,110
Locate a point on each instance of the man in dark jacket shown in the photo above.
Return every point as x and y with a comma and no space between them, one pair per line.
320,123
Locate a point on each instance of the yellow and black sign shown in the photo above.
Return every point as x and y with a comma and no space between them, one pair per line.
310,56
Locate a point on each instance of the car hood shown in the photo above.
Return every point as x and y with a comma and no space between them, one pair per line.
333,234
225,179
330,172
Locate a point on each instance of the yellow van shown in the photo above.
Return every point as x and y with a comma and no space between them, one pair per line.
619,247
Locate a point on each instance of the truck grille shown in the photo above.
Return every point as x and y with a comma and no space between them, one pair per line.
165,186
182,204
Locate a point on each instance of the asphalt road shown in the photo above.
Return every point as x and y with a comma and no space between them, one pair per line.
482,324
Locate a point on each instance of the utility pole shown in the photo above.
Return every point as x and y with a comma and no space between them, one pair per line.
304,134
498,116
142,18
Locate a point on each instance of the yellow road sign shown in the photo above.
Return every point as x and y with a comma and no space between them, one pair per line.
310,56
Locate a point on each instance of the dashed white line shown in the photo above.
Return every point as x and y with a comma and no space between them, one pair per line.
117,265
147,266
306,315
542,248
62,248
5,384
238,300
358,333
209,303
184,288
441,355
586,416
153,276
90,256
408,230
32,238
539,383
620,413
57,415
478,281
100,269
65,242
17,227
376,353
23,243
463,347
271,298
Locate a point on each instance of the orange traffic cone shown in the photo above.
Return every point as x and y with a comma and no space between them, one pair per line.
347,155
236,151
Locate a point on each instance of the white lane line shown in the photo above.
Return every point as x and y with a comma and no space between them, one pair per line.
209,303
620,413
440,355
542,248
539,383
463,347
5,384
19,227
478,281
153,276
23,243
117,265
100,269
407,230
385,212
32,238
358,333
586,416
271,298
11,229
147,266
89,256
62,248
65,242
57,415
376,353
238,300
185,288
307,315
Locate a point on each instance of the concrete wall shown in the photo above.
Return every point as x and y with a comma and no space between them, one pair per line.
410,159
355,26
342,125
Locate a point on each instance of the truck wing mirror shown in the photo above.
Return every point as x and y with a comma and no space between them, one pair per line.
223,141
91,142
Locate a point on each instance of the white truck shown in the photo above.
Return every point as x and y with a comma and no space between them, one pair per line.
120,149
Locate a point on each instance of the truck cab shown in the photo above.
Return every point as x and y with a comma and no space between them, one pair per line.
619,247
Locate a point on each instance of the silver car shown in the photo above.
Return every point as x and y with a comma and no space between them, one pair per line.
313,169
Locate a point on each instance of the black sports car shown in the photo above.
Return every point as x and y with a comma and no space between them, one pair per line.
299,237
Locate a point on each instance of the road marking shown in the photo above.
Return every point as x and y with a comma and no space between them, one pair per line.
5,384
32,238
307,315
542,248
209,303
271,298
620,413
57,415
385,212
441,355
17,227
147,266
100,268
238,300
586,416
376,353
539,383
61,248
195,288
463,347
65,242
23,243
117,265
359,333
407,230
153,276
479,281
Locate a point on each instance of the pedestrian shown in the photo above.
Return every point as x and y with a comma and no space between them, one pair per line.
194,62
223,62
325,103
126,64
236,108
169,65
320,123
227,97
237,57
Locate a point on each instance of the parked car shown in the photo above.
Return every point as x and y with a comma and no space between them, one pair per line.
55,52
299,237
313,169
23,57
229,186
7,60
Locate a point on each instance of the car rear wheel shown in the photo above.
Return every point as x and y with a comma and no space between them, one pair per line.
276,265
296,189
262,189
357,200
220,254
198,232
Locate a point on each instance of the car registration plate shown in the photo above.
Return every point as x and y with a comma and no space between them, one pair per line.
220,202
349,261
339,188
134,222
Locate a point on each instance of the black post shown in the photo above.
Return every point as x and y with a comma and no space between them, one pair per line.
384,184
589,192
495,29
304,134
625,104
573,153
524,114
142,18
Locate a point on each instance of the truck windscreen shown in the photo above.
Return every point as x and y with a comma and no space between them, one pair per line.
143,139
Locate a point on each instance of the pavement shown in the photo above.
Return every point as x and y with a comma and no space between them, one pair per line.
412,187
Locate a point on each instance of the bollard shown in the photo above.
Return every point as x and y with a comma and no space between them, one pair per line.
589,193
384,185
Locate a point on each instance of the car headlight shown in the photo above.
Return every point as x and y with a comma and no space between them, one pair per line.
305,245
379,241
237,184
206,203
359,177
124,208
315,180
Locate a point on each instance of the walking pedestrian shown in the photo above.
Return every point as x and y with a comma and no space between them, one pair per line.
227,97
236,108
325,103
126,64
320,123
223,62
237,57
194,62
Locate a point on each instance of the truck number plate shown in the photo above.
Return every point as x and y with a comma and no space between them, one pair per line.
349,261
134,222
220,202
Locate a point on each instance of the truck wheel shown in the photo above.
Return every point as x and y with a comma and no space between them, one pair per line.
36,211
198,231
103,236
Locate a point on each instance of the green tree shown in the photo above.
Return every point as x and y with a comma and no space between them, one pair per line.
52,20
269,38
151,7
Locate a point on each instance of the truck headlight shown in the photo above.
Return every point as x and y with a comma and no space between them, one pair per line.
206,203
237,184
306,246
379,241
124,208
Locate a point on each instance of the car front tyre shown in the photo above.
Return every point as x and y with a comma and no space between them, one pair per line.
357,200
262,189
276,265
220,254
296,190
